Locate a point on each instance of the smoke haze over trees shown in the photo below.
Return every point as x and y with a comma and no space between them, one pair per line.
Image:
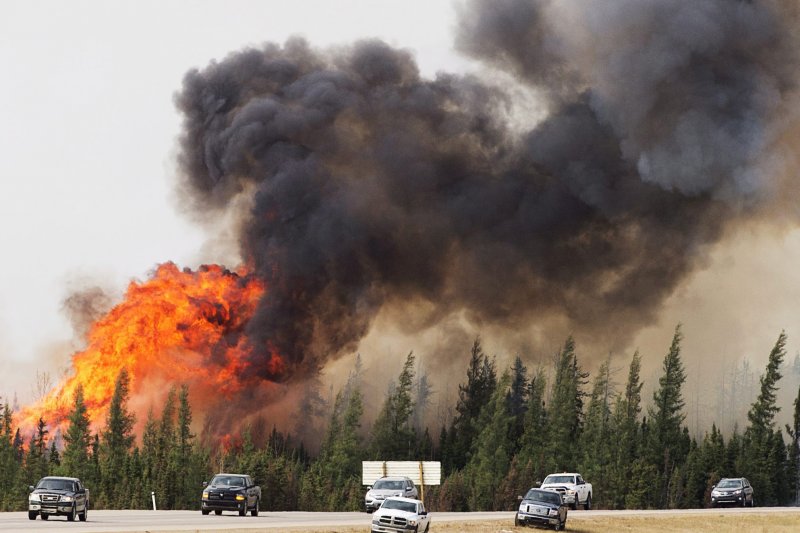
368,186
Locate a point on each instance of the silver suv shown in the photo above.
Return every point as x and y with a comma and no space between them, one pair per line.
386,487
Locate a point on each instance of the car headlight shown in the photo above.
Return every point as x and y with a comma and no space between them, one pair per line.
66,499
205,495
240,497
412,522
715,493
553,512
34,498
522,508
570,492
737,491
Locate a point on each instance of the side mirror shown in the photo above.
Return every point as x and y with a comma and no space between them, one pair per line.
537,484
423,513
713,487
519,498
205,483
369,487
30,488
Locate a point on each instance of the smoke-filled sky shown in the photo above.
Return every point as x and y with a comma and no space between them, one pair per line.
605,171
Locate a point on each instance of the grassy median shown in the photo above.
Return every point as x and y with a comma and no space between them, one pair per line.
707,522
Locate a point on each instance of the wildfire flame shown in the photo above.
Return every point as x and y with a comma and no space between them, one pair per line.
178,327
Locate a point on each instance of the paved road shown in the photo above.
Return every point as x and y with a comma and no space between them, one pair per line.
152,521
189,521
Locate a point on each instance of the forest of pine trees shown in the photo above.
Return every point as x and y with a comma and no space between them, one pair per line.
510,427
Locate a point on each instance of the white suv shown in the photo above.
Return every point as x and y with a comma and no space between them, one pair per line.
401,514
386,487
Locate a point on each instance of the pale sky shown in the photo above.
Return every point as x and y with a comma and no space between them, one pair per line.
87,146
87,138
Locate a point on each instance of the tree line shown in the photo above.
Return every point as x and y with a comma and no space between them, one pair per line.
509,429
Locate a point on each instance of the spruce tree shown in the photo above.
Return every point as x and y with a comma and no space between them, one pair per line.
393,435
794,449
116,442
628,441
596,437
764,466
666,441
532,454
77,440
517,399
565,414
472,397
489,463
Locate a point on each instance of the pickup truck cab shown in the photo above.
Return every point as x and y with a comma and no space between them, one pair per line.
398,514
230,492
572,487
58,496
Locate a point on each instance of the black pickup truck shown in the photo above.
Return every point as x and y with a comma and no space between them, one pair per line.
230,492
58,496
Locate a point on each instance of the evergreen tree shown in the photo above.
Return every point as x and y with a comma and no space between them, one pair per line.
10,462
36,463
666,440
489,463
472,397
598,445
393,435
628,442
794,449
116,443
517,399
764,465
533,454
77,440
565,414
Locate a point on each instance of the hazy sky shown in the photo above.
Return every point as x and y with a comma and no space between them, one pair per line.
87,145
87,138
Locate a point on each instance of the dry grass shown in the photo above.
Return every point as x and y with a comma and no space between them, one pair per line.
705,523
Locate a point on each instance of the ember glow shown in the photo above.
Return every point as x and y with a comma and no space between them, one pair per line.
180,326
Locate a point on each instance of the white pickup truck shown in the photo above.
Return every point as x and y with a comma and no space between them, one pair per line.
573,489
401,515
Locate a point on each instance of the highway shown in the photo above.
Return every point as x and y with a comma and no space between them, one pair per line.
189,521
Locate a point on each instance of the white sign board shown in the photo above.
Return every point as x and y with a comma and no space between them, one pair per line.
420,472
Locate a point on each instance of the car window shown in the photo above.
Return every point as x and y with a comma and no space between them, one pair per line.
386,484
558,479
409,507
545,496
730,484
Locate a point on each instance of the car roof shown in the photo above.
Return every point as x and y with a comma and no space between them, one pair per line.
402,499
394,478
564,474
61,477
235,475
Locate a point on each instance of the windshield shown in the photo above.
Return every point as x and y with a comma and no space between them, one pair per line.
543,496
409,507
730,484
56,484
559,479
385,484
231,481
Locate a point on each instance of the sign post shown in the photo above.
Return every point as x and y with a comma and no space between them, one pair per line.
420,472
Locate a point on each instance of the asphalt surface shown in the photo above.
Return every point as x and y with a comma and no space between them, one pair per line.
189,521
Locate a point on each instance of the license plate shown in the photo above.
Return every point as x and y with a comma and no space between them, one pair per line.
48,510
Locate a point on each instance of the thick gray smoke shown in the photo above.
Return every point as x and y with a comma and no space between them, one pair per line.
373,186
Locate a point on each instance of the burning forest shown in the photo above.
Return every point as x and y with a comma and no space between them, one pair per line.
367,187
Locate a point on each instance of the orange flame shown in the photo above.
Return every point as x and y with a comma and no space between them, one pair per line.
179,327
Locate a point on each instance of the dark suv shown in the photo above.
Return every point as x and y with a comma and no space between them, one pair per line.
733,491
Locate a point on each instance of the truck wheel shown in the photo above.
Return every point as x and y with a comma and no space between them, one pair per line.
243,509
71,515
588,505
45,516
205,511
254,510
559,525
32,515
574,505
218,512
85,514
516,521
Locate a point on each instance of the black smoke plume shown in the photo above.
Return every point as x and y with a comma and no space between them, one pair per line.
372,186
